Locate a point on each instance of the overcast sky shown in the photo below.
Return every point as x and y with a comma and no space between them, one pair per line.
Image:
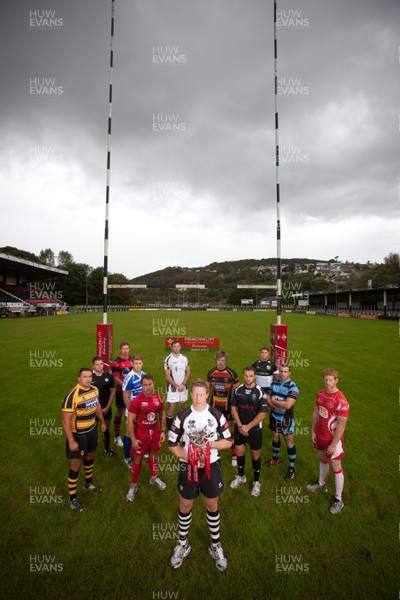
193,139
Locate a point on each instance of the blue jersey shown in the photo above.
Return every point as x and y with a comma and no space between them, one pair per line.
283,390
133,383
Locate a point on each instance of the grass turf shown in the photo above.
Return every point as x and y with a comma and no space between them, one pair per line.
284,544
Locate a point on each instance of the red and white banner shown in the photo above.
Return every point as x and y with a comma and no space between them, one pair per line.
104,343
279,344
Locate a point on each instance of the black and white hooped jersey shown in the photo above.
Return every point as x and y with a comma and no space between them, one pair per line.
198,427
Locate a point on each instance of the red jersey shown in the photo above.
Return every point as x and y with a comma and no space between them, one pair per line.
146,408
120,367
330,407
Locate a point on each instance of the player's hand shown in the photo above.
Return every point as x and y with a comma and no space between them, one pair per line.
137,444
314,438
103,427
162,437
73,446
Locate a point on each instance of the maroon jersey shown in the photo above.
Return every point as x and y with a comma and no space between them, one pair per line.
330,407
120,367
146,408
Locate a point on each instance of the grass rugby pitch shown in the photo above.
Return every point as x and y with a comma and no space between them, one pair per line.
284,544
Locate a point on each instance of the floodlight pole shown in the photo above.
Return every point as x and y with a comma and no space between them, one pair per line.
106,230
278,216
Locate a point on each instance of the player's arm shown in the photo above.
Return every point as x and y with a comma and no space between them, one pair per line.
225,440
131,429
235,416
281,404
256,421
126,396
187,375
100,416
314,423
110,400
163,424
168,377
339,431
67,426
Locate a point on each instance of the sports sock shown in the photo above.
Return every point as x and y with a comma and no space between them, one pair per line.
136,468
292,456
153,465
241,462
184,521
88,466
106,439
276,446
213,522
127,447
72,483
170,420
117,426
339,483
256,468
323,472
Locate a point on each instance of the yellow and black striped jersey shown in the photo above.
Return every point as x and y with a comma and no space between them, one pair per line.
82,402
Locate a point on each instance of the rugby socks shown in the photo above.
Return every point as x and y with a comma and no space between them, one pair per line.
213,522
170,420
106,439
292,456
117,426
153,465
127,447
240,462
256,468
339,483
184,523
276,446
88,466
72,483
323,472
136,468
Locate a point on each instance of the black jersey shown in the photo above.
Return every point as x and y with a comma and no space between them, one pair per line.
104,383
265,370
249,402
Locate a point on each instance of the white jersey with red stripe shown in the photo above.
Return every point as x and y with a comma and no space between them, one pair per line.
330,406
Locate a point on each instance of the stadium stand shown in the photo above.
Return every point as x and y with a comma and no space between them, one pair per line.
19,297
